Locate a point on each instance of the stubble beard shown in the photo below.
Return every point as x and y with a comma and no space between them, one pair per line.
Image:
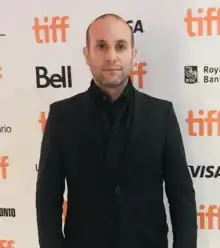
116,83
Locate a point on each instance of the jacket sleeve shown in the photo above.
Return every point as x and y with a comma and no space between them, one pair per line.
179,187
50,186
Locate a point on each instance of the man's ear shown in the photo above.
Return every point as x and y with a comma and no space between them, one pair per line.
134,55
86,54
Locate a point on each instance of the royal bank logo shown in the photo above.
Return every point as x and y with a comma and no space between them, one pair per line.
191,74
205,74
211,74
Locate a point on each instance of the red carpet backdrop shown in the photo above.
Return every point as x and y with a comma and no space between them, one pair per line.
41,61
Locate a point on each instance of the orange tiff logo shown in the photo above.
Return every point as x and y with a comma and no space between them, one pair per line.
204,124
209,217
1,76
48,30
64,210
138,72
7,243
203,21
42,121
3,166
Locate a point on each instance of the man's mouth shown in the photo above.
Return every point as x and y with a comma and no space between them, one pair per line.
112,69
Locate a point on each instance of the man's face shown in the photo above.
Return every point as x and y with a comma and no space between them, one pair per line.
110,55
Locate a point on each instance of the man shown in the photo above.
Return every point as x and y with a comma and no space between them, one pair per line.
115,147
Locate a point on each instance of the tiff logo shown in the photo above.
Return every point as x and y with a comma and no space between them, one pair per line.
42,121
205,123
139,72
208,216
7,243
197,25
64,213
48,31
1,76
3,167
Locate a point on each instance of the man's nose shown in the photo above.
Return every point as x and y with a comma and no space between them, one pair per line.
111,55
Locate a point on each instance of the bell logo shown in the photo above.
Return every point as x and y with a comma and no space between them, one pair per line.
139,72
7,243
203,19
3,167
42,121
49,30
136,26
205,123
63,80
209,217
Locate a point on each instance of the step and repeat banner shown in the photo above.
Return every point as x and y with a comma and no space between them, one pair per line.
41,61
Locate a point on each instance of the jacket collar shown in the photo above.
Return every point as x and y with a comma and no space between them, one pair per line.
99,94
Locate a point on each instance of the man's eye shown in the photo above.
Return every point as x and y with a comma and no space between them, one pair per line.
121,46
101,46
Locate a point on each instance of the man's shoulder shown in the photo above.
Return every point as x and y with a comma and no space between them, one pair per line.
78,101
157,102
70,102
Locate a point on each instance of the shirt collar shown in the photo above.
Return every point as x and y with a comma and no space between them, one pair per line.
100,94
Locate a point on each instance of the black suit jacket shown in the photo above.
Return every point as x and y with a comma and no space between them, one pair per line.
155,157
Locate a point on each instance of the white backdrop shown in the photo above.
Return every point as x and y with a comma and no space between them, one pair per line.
172,51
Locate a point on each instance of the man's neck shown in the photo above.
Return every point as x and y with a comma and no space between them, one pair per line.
115,92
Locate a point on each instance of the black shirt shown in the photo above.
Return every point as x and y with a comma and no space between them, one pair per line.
113,109
115,119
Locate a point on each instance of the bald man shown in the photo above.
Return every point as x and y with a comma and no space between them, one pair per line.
116,147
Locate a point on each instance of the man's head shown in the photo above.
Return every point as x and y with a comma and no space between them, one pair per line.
109,51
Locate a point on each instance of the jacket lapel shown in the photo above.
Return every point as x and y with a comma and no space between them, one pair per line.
140,115
138,133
